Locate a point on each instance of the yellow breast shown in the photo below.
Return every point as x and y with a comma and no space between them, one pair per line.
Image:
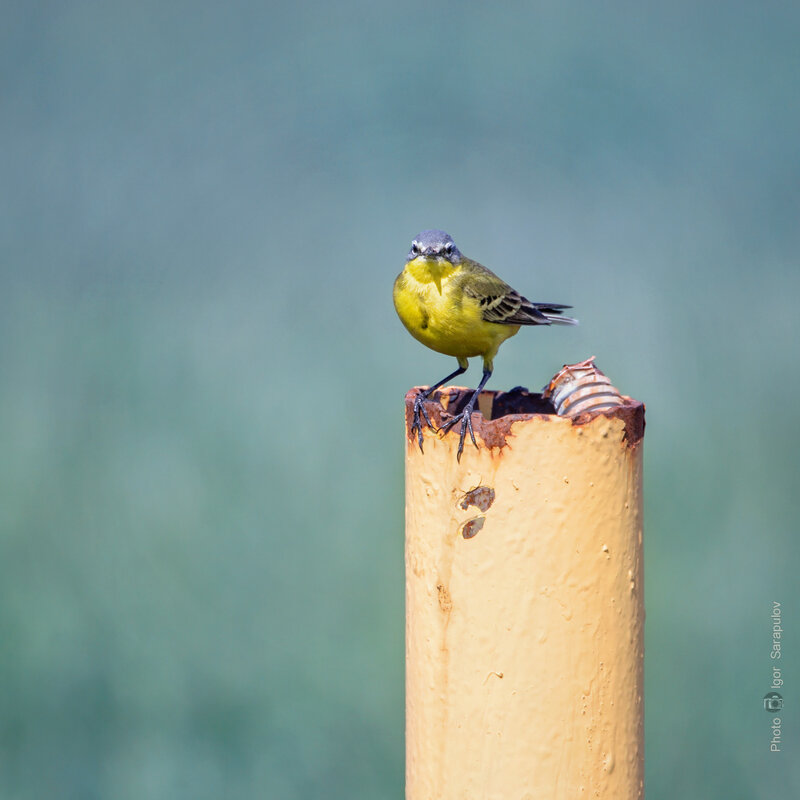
431,303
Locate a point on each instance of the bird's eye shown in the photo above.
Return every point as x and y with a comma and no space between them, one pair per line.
414,247
448,248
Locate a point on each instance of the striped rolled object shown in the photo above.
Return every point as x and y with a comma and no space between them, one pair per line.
580,389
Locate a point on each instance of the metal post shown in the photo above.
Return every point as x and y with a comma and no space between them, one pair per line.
524,604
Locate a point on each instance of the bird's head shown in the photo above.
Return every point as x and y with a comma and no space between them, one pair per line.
434,246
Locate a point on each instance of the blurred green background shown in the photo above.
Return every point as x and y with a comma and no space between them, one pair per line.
203,209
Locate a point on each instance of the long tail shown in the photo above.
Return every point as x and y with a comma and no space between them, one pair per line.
553,313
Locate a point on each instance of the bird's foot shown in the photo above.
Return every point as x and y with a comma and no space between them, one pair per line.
465,418
416,423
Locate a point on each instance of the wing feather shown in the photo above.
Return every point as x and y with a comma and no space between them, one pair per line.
502,304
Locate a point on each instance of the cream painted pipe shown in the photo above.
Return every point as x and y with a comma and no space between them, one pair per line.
524,605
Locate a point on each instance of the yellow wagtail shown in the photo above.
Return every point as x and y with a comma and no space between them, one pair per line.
458,307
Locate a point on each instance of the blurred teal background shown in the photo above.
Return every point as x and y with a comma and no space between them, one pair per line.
203,209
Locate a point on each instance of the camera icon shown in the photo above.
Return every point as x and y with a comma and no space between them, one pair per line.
772,702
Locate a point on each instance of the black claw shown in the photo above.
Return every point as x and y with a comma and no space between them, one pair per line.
465,418
471,432
419,403
425,414
416,423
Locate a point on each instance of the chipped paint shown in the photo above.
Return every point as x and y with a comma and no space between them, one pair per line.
472,527
481,497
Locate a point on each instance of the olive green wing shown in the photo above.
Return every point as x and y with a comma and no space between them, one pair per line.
502,304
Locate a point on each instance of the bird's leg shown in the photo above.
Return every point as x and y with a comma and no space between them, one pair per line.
465,417
419,404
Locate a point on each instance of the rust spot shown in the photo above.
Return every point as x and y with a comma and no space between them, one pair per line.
582,391
631,412
445,603
481,497
507,408
518,405
472,526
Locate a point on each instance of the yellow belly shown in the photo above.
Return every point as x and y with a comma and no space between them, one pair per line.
438,314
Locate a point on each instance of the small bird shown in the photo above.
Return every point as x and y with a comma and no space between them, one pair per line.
458,307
